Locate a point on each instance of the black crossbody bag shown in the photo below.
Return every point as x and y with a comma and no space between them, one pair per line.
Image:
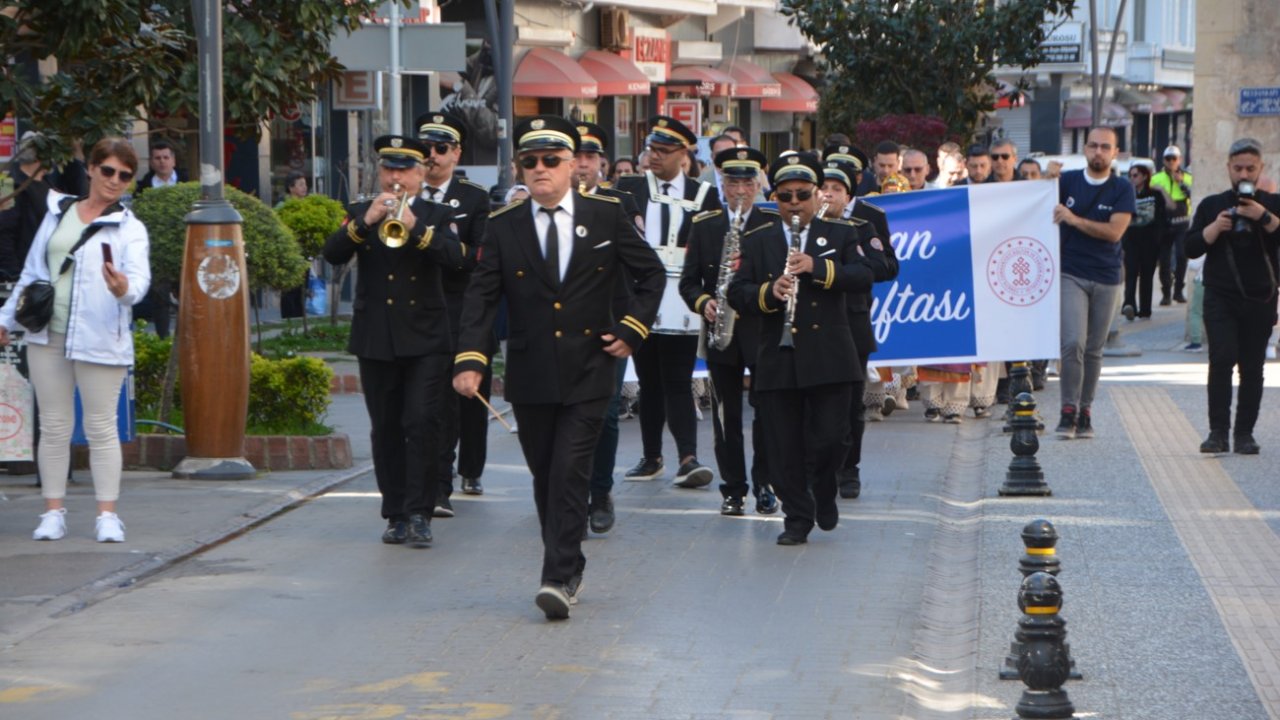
35,305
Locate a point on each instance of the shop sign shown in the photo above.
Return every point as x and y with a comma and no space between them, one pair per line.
357,91
1063,44
688,112
1254,102
651,52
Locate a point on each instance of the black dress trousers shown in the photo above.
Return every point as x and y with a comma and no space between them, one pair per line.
1238,330
807,429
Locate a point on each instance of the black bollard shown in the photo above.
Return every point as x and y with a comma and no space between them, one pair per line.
1040,539
1024,476
1019,383
1043,665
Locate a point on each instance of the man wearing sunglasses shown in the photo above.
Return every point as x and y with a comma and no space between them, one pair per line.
669,199
740,170
400,333
1004,160
466,422
557,259
915,166
804,390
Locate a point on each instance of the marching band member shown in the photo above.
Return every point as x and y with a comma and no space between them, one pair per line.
706,267
839,182
794,274
669,199
400,331
466,421
557,258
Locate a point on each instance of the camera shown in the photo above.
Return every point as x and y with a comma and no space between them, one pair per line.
1245,190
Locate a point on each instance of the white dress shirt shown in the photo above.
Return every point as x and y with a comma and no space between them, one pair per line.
653,212
443,190
564,229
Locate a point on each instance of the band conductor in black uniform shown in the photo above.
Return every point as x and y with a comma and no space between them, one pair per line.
669,199
556,258
730,342
400,331
466,419
806,359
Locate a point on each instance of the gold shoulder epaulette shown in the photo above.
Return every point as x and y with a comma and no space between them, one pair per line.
769,211
509,206
872,205
757,228
707,214
474,184
604,198
843,221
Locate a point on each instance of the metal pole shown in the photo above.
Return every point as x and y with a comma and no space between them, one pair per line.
506,113
396,123
1111,52
1095,106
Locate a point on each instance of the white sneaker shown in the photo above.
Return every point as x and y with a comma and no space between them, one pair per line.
53,525
110,529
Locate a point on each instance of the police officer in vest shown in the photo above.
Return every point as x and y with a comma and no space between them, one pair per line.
400,331
556,258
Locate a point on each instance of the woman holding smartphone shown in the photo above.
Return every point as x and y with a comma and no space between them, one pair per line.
94,253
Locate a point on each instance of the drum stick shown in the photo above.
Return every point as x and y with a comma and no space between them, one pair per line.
496,414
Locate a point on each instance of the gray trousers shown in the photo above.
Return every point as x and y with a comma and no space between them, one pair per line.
1088,308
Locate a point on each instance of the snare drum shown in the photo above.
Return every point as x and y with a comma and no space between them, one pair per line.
674,317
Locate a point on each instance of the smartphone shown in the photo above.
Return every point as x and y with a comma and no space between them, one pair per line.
106,253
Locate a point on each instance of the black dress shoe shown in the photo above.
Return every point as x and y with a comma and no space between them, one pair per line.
792,537
850,488
573,588
766,502
396,533
472,486
444,508
1215,443
1178,297
694,474
1246,445
419,531
646,469
600,514
733,507
553,601
828,515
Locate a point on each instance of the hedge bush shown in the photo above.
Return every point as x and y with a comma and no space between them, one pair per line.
312,219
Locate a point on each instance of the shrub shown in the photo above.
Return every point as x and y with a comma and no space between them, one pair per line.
287,394
312,219
150,360
921,132
273,257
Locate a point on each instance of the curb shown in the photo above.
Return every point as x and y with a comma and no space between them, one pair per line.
110,585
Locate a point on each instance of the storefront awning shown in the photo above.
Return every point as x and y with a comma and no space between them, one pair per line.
797,96
751,80
1080,115
708,80
615,75
544,72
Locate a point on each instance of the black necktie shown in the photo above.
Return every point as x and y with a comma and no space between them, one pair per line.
553,245
432,192
666,215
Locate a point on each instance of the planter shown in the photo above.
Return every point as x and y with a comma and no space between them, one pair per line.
264,452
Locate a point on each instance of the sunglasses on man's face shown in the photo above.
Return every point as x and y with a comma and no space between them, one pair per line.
1001,156
799,195
530,162
110,172
441,148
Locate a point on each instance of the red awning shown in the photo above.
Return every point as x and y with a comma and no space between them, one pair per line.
1080,115
797,96
708,80
543,72
615,75
751,80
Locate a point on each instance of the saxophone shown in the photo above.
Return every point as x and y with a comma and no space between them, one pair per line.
788,325
720,334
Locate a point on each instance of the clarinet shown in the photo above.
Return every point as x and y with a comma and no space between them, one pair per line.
720,334
789,323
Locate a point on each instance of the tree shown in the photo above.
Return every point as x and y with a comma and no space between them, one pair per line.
922,57
115,57
312,219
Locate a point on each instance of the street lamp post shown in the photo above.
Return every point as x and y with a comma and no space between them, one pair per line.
213,317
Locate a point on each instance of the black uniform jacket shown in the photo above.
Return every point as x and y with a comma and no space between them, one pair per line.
468,205
701,272
638,187
873,236
824,351
399,308
556,354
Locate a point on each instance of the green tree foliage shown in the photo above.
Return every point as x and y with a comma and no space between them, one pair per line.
273,256
116,56
312,219
921,57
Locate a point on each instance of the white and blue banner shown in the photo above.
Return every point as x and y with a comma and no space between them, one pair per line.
978,279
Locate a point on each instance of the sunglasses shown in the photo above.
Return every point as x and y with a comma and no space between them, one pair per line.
110,172
663,150
441,148
1001,156
800,195
530,162
913,169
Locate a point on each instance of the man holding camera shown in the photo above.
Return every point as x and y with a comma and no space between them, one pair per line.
1238,232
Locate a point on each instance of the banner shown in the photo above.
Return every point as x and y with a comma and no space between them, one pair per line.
978,278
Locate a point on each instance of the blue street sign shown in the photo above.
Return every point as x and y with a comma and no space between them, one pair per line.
1259,102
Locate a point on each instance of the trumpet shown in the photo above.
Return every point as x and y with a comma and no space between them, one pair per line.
788,325
393,232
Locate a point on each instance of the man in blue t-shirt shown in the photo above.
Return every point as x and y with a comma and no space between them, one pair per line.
1093,212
